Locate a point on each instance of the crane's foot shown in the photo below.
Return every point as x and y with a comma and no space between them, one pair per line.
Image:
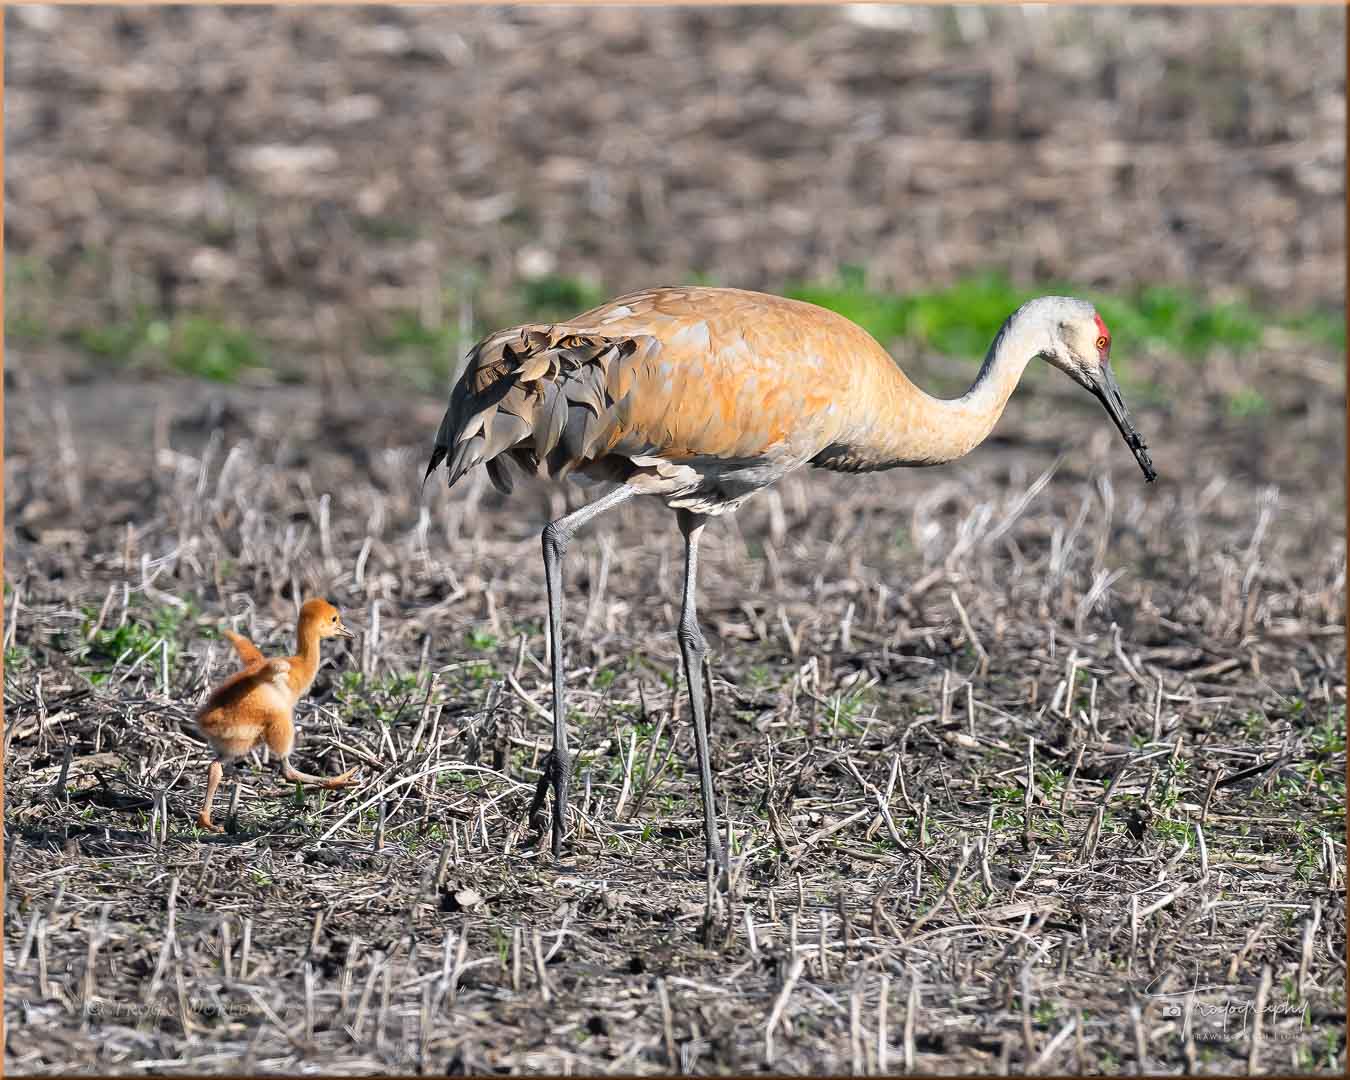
538,822
562,777
556,773
204,822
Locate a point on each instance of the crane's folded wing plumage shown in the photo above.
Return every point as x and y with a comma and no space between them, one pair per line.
548,398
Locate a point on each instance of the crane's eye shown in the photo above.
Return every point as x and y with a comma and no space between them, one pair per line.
1098,346
1103,342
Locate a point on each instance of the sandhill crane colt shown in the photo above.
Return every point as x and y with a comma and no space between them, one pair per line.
702,397
256,704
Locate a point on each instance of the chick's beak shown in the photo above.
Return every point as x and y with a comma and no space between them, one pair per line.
342,630
1103,385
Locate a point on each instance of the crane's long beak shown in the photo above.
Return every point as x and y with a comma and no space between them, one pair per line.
1108,393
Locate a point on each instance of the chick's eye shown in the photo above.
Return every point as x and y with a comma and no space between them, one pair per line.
1103,342
335,617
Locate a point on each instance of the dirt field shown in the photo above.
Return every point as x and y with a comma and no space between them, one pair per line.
1028,767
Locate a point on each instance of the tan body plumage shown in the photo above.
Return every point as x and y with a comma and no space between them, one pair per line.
256,705
700,396
703,396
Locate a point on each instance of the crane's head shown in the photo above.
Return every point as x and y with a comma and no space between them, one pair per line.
1080,346
326,617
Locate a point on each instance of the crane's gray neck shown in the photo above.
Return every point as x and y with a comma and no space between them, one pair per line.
1023,336
923,430
965,422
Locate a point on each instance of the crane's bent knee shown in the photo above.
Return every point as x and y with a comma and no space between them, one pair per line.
554,541
691,638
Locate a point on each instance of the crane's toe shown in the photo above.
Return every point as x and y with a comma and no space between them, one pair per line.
537,818
555,772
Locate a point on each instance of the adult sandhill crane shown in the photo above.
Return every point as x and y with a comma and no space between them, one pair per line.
703,396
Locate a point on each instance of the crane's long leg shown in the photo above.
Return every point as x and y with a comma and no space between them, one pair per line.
694,650
557,764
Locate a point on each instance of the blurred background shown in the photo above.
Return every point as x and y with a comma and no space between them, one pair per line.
360,194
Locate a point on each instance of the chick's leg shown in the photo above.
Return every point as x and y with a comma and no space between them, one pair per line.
298,777
213,775
280,738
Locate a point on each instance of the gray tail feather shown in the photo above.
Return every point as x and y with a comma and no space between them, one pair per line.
437,456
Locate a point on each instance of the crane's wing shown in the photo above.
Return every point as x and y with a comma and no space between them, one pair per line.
550,395
248,652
